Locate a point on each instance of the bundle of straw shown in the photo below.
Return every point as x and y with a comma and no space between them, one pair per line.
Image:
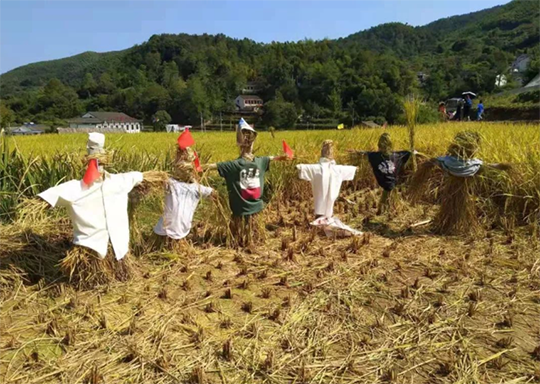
412,109
104,158
457,214
152,180
247,230
425,181
85,269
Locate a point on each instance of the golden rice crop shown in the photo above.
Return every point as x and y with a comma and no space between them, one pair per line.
38,162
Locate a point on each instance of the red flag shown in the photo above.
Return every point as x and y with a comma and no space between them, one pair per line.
185,139
288,151
197,163
92,172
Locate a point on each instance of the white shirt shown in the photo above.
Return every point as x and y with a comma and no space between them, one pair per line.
326,178
99,212
181,200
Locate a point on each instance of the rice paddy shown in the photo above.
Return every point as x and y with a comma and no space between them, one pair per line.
399,304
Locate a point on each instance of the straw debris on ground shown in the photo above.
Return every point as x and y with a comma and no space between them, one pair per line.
399,304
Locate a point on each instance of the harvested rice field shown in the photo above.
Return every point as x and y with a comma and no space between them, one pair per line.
398,304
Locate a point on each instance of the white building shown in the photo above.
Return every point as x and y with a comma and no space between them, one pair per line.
248,103
500,80
521,63
177,128
106,122
29,129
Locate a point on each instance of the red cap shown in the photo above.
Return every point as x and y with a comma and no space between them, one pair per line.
185,139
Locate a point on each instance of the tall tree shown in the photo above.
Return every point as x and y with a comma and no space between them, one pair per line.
7,116
161,119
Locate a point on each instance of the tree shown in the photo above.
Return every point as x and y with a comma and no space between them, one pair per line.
280,114
106,84
170,74
89,86
334,100
161,119
196,101
153,99
6,116
58,101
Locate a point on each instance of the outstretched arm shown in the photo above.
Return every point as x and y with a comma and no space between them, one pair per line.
152,180
209,166
279,158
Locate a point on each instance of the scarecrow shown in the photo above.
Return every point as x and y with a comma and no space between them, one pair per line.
98,208
245,184
460,169
326,178
183,192
387,166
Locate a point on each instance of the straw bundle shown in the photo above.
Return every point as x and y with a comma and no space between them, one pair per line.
412,109
385,144
457,214
85,269
390,202
425,181
247,230
165,243
245,140
465,145
182,167
327,149
152,180
104,158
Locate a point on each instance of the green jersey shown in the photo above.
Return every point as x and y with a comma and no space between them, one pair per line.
245,184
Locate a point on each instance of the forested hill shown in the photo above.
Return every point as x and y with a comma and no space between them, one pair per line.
183,77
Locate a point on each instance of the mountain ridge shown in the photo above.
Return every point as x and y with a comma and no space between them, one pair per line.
367,72
66,61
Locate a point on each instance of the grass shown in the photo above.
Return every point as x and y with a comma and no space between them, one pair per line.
398,304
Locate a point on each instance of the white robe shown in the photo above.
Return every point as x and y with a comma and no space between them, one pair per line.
326,178
98,212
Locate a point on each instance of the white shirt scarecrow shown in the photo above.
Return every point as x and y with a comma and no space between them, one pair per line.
183,192
97,205
326,178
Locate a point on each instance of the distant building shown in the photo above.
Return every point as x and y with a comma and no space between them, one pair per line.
29,129
248,103
534,82
521,63
422,77
177,128
500,80
369,124
252,87
106,122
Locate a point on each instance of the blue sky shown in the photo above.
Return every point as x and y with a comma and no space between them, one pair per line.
33,31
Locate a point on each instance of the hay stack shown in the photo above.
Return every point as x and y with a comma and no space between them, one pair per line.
457,213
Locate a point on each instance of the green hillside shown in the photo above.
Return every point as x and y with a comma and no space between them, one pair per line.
69,70
363,76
